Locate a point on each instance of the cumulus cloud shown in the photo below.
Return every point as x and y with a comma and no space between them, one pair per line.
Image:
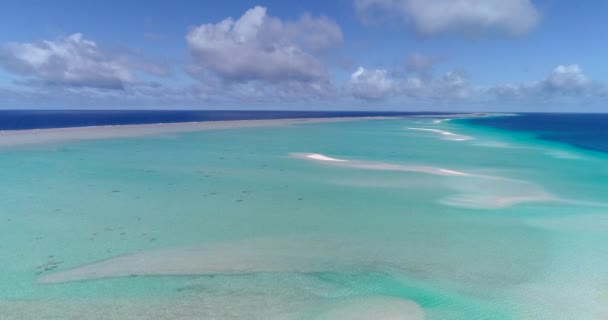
138,95
380,84
567,79
372,84
565,82
562,81
259,50
71,61
432,17
451,85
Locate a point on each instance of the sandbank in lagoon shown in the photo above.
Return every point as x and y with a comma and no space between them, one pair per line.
12,138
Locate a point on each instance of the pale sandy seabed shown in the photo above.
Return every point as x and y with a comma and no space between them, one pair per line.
213,306
504,268
249,256
478,191
299,254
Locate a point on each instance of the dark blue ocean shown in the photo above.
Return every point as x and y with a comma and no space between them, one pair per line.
41,119
586,131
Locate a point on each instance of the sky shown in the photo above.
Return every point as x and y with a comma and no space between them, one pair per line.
410,55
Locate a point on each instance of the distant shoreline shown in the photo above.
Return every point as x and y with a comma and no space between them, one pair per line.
49,119
12,138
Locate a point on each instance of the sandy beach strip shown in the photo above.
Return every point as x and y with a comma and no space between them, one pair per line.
11,138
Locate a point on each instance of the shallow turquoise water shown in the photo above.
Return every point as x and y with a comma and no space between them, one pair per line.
451,244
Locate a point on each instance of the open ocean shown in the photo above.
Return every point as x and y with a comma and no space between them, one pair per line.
409,218
583,130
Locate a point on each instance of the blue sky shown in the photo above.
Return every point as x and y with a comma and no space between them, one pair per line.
520,55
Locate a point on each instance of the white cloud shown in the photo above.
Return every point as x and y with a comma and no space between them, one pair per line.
567,79
260,48
380,84
372,84
432,17
451,85
563,81
71,61
564,84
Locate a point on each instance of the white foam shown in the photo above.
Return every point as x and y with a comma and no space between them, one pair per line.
456,173
317,156
445,134
373,165
441,120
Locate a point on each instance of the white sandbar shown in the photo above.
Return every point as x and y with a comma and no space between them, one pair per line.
276,255
372,165
445,134
13,138
321,157
301,254
213,305
480,192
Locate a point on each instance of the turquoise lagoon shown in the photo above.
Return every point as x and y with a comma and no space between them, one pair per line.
367,219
